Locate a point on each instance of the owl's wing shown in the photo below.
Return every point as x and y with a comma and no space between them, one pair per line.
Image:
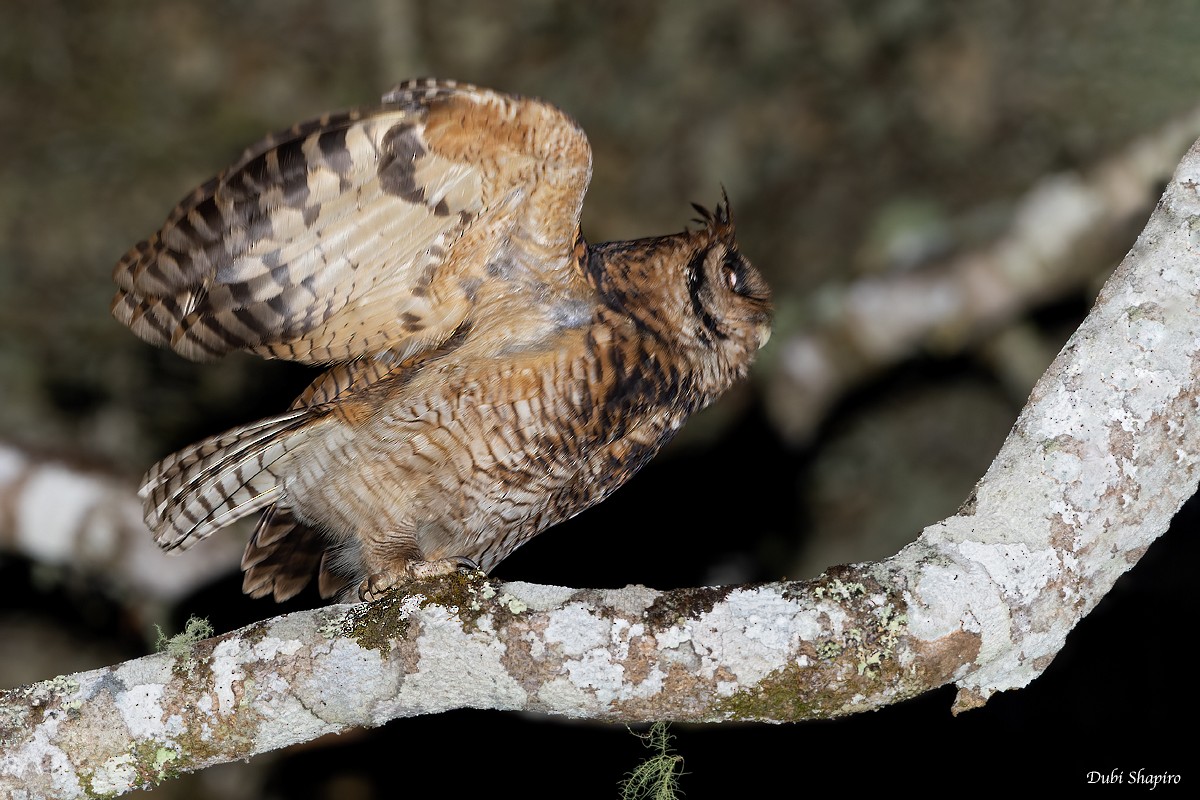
367,232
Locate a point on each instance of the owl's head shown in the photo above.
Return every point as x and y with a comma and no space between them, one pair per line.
725,303
696,292
729,299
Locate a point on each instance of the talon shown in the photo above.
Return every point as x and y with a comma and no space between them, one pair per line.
464,563
440,568
373,587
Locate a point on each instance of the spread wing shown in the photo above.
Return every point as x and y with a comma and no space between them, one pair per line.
367,232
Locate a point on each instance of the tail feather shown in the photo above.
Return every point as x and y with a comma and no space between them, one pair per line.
234,488
169,478
189,495
284,554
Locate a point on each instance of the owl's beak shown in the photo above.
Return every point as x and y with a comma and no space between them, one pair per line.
764,335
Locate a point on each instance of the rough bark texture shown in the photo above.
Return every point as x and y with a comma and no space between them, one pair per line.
1099,461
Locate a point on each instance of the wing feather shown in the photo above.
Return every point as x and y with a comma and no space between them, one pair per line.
366,232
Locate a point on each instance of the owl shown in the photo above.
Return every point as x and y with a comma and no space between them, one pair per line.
488,373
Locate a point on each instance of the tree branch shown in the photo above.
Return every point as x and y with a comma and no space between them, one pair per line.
77,519
1099,461
1060,230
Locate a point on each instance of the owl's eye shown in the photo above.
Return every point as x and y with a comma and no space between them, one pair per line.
731,271
731,276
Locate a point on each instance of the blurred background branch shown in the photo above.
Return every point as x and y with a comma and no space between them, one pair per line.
1055,246
87,524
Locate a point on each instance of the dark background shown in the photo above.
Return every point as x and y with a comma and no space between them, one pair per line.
833,126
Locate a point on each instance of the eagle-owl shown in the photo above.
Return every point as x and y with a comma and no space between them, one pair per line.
489,372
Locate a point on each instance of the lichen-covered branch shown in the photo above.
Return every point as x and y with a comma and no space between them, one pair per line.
1050,249
1099,461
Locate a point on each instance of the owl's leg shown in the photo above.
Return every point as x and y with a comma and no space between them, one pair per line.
396,559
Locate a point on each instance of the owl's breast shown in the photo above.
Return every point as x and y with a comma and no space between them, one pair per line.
481,454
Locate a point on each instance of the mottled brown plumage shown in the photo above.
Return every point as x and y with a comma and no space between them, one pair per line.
490,373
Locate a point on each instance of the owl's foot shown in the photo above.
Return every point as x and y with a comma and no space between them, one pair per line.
378,583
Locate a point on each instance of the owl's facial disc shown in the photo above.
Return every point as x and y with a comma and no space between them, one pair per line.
739,296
